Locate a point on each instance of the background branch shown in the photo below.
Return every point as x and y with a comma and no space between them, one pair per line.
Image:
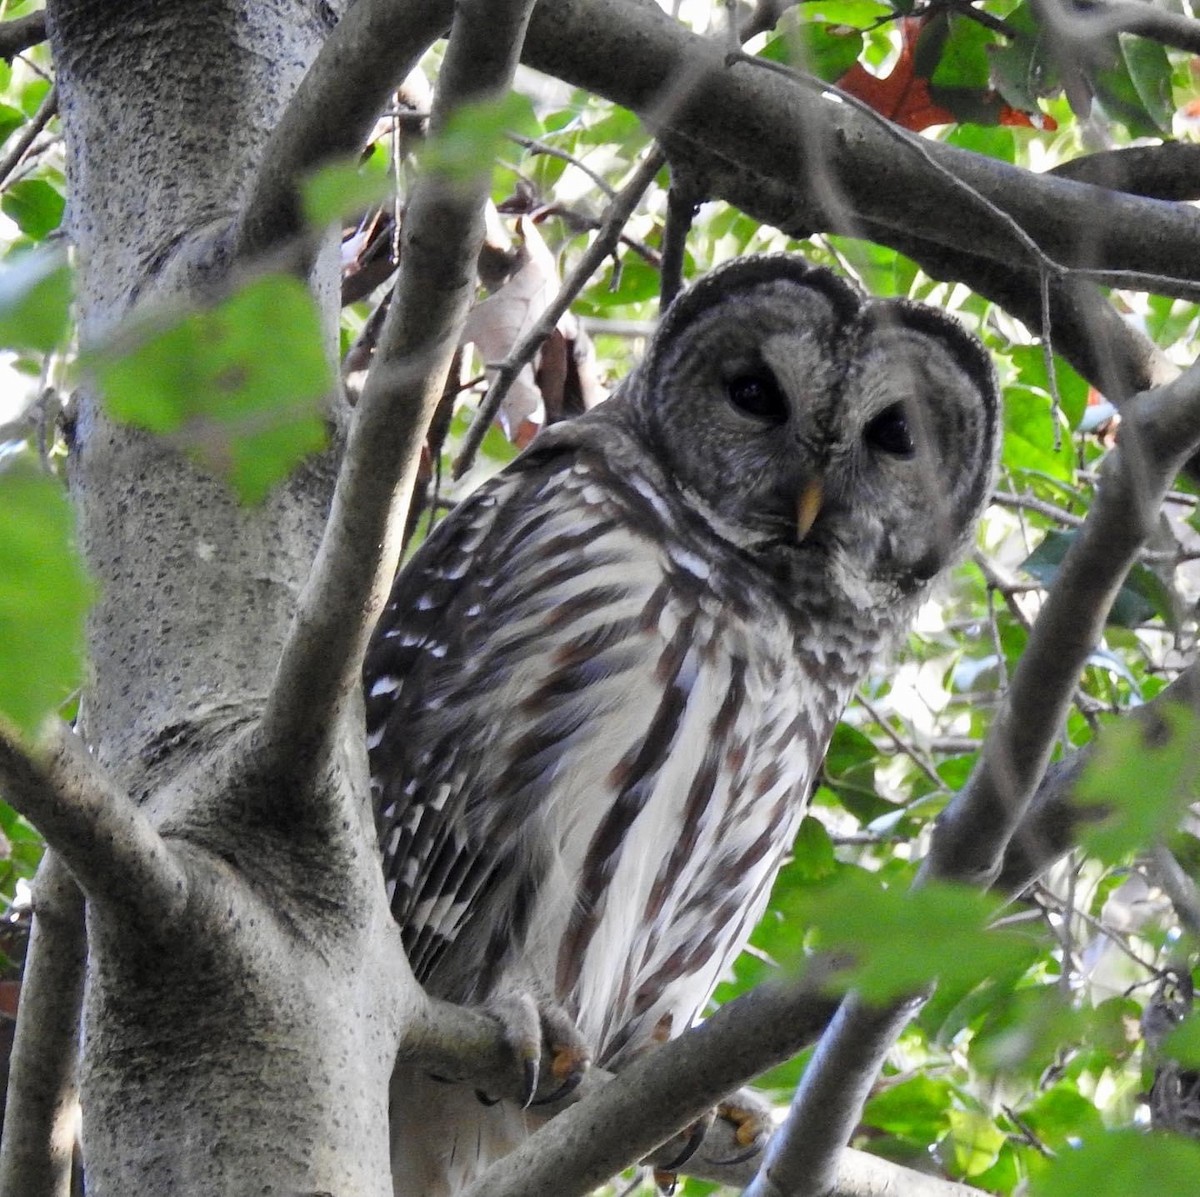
320,663
39,1112
19,34
365,58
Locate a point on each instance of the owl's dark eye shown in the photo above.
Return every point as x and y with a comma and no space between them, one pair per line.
758,394
889,432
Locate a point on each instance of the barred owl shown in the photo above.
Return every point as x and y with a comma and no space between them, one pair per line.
600,692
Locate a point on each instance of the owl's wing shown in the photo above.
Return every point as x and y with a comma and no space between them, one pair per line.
501,642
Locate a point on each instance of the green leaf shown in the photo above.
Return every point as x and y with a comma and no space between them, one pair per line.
992,141
1029,436
1150,72
964,60
239,387
1123,1163
11,119
900,940
1139,782
1183,1043
812,852
1023,70
44,594
917,1108
35,205
974,1143
1062,1114
826,51
473,134
1030,362
339,190
1142,596
35,299
1125,97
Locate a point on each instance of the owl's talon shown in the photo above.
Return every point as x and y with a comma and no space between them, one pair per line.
568,1086
691,1144
546,1044
665,1181
529,1084
485,1100
752,1119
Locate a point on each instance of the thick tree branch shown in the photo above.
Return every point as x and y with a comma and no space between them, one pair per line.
443,232
656,1095
1158,431
770,128
1090,20
1047,830
103,837
39,1117
366,57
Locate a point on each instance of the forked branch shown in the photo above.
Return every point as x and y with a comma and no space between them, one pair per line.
320,664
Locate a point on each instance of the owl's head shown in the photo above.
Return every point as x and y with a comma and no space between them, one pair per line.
813,427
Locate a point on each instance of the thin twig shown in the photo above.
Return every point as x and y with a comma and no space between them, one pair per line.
601,247
35,124
901,744
540,147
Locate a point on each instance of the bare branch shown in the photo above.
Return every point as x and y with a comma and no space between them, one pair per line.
443,232
1179,887
366,56
103,837
744,125
603,244
35,124
1168,172
802,1157
1158,431
21,33
39,1121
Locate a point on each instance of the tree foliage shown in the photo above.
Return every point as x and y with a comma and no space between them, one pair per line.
1042,1045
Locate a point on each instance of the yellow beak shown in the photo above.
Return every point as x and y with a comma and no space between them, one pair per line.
808,505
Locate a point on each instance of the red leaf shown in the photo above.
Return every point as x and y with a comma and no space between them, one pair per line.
904,96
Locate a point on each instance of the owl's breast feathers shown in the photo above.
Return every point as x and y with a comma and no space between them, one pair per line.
593,732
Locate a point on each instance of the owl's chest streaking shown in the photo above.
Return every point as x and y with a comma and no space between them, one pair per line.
593,731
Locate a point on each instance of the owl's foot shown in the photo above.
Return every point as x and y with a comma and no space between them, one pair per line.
749,1122
552,1054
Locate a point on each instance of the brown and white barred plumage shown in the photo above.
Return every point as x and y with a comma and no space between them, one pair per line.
599,695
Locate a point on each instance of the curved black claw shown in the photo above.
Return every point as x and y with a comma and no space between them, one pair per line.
573,1081
545,1043
695,1136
